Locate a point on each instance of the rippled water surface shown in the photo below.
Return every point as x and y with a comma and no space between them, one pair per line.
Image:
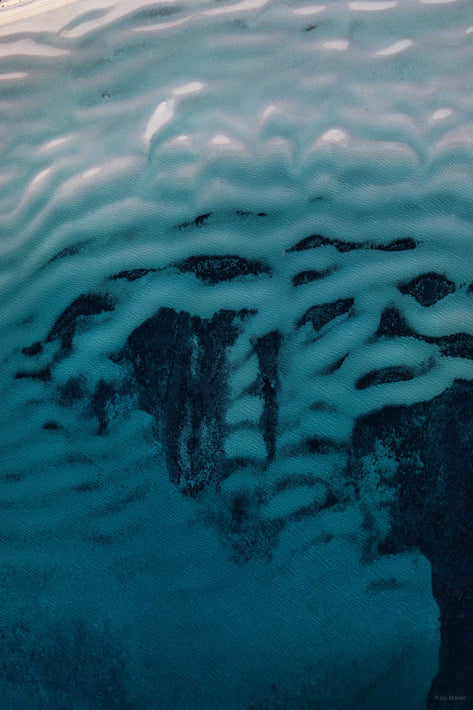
236,345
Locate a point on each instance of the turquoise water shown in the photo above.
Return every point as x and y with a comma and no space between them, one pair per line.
236,337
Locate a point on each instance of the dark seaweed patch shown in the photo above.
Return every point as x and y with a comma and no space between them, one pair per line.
321,445
67,251
305,277
457,345
393,325
178,364
32,350
316,240
248,535
428,288
197,222
132,274
335,366
384,375
100,402
319,316
215,269
397,245
246,213
267,351
51,426
44,375
432,511
240,506
85,305
72,391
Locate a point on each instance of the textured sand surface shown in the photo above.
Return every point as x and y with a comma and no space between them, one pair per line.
236,301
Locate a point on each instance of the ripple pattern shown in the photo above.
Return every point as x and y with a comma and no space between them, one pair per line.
235,258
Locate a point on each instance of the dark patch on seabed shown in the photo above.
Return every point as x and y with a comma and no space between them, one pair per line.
432,511
177,361
317,240
428,288
215,269
32,350
267,350
132,274
319,316
393,324
85,305
386,374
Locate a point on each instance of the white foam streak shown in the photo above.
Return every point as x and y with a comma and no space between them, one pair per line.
190,88
220,139
333,135
372,5
310,10
13,76
162,115
395,48
39,178
239,7
91,173
441,114
54,143
338,45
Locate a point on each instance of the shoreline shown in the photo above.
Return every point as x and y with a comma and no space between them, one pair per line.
17,10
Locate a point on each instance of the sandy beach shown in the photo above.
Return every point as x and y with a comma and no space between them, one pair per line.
14,10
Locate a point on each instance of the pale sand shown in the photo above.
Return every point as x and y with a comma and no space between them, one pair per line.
14,10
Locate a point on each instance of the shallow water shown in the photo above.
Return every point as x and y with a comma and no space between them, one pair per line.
236,347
